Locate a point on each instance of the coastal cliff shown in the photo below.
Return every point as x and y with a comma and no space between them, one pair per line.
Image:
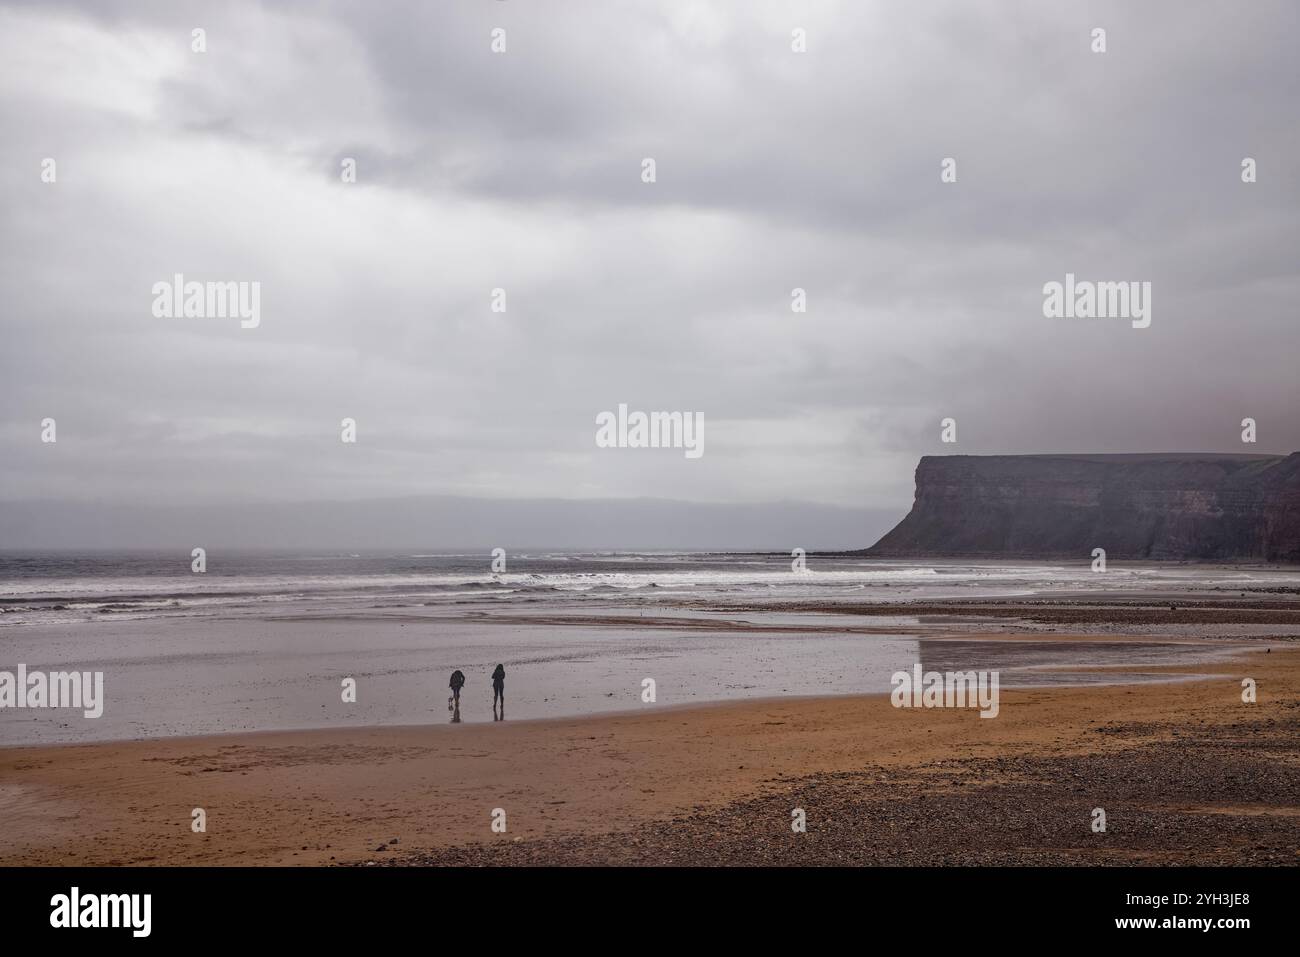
1161,507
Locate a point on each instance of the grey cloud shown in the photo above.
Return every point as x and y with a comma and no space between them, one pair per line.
521,171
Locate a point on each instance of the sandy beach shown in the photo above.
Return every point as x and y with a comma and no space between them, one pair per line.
648,435
1186,773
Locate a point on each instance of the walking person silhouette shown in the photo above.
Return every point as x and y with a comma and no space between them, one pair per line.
453,703
499,692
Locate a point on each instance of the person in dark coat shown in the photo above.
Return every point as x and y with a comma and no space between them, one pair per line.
499,690
457,682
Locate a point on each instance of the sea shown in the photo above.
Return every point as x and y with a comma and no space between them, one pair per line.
262,641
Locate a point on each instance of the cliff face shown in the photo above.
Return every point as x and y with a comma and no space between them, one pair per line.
1208,507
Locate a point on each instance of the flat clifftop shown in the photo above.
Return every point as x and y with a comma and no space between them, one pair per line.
1163,506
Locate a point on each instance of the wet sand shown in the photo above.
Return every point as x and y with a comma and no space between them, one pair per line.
1186,772
202,676
1171,608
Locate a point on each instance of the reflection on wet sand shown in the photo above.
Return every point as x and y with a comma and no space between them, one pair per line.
1056,662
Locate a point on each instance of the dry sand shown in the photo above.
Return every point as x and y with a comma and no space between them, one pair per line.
1186,771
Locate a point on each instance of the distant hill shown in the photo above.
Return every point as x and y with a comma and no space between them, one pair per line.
439,523
1159,506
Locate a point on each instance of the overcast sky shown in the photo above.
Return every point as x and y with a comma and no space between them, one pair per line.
522,170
